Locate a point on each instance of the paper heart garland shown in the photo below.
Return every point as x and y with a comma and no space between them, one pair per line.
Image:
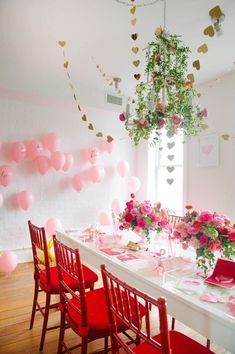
209,31
170,180
170,168
170,145
196,64
203,48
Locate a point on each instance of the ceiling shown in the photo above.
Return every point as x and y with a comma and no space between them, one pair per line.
31,60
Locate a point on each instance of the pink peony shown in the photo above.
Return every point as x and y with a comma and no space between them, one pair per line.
192,230
204,240
146,209
218,220
215,246
205,216
141,223
128,217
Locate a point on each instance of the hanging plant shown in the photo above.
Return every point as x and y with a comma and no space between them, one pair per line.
165,100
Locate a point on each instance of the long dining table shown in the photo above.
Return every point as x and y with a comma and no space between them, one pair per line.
212,320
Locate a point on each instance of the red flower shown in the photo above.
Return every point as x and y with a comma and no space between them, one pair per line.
161,122
128,217
197,224
215,246
232,237
122,117
204,239
188,207
141,223
132,195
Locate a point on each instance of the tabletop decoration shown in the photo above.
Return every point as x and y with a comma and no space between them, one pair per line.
209,233
143,217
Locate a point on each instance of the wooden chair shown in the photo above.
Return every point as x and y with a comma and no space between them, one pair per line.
173,220
166,342
46,278
84,312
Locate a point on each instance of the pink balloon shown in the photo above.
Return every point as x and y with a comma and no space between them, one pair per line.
57,160
96,174
133,184
42,164
107,146
91,155
25,200
117,206
1,200
123,168
52,225
8,261
34,149
6,174
17,151
51,142
77,182
69,161
105,219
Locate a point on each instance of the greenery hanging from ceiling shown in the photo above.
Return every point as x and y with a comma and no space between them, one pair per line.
165,99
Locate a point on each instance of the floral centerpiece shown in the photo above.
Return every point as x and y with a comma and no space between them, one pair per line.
207,232
165,99
143,218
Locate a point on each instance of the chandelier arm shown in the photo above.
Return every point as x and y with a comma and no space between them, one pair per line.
144,3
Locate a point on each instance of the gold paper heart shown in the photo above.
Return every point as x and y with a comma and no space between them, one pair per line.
216,12
170,157
133,22
135,50
170,168
136,63
134,36
97,66
209,31
79,108
190,77
203,48
170,180
71,86
204,126
90,126
68,75
66,64
137,76
99,135
109,139
132,10
196,64
226,136
199,95
84,118
74,97
103,75
170,145
62,43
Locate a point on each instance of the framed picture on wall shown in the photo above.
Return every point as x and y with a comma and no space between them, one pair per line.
209,150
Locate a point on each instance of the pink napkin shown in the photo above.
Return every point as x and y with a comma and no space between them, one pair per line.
212,297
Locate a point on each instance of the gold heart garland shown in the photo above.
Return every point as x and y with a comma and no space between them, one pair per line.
90,126
134,37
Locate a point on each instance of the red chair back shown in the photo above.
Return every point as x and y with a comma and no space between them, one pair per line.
69,265
39,244
117,306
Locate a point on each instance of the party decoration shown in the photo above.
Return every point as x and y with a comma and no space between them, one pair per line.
196,64
91,155
25,199
77,182
34,149
52,225
42,164
57,160
117,206
170,180
225,136
17,151
216,12
6,174
209,31
105,219
96,174
107,146
1,200
8,261
133,184
51,141
203,48
69,161
123,168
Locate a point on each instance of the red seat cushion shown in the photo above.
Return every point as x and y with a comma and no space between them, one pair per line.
180,344
89,278
97,315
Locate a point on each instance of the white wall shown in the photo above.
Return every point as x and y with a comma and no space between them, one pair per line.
25,117
213,187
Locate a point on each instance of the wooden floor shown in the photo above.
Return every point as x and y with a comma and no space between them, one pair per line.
16,294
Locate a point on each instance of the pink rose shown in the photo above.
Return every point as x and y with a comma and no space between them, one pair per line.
215,246
218,221
184,245
176,120
153,217
141,223
204,240
158,205
132,195
161,122
146,209
205,216
128,217
130,205
232,237
192,230
204,113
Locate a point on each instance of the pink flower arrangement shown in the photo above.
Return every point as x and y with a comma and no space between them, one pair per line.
143,217
207,232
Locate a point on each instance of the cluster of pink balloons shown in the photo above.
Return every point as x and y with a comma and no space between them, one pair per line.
94,174
8,261
52,225
6,175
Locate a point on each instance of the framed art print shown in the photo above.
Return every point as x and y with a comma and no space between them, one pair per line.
209,150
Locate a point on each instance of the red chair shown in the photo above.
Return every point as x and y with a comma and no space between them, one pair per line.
46,278
84,312
166,342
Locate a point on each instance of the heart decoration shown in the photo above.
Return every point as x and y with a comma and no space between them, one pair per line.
196,64
99,135
135,50
169,134
203,48
170,168
133,22
109,139
170,157
71,86
191,77
170,180
204,126
161,148
136,63
66,64
84,118
209,31
216,12
68,75
90,126
132,10
62,43
134,36
207,149
226,136
137,76
79,108
171,145
74,97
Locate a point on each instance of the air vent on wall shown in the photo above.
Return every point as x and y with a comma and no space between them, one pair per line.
113,99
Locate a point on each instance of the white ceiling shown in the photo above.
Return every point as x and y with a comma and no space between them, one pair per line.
32,61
